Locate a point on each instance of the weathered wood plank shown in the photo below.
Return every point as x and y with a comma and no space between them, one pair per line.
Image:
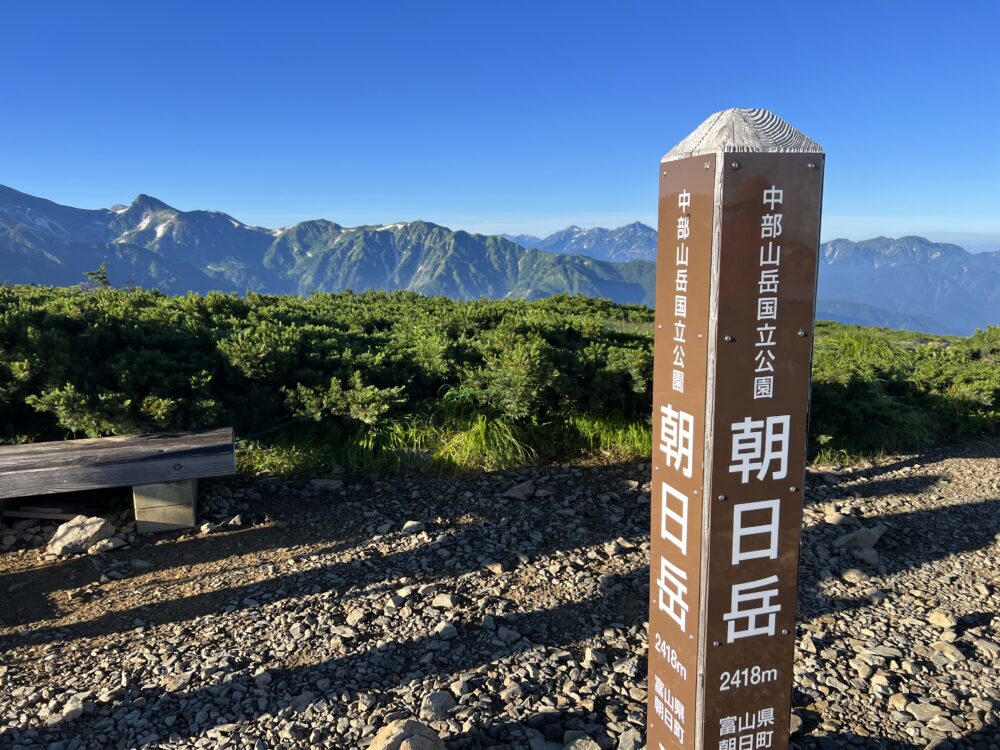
116,448
72,465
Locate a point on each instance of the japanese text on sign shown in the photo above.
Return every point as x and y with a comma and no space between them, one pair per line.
767,299
680,290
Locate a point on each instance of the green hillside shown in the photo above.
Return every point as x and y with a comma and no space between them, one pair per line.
381,380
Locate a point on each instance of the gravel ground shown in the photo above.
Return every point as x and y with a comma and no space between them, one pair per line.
503,610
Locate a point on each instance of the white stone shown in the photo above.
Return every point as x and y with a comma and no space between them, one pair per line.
106,545
79,534
863,538
73,709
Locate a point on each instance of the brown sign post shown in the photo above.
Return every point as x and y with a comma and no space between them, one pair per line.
739,219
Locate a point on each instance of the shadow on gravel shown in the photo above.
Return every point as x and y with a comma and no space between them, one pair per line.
913,539
370,570
896,486
622,604
876,488
967,448
838,741
984,739
37,587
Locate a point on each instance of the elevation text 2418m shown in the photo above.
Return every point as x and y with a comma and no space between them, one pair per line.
755,675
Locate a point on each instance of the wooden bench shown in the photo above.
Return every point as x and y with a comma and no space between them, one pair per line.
163,470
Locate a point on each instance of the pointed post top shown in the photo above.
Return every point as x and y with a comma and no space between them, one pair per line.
743,130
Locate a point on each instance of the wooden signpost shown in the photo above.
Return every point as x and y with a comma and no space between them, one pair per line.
739,220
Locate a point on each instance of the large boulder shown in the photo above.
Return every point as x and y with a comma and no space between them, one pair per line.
78,534
406,734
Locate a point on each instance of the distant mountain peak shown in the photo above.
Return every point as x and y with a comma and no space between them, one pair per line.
635,241
150,203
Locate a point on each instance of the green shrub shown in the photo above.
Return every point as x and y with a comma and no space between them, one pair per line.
380,379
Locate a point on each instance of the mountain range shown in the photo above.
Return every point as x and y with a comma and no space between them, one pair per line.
153,245
908,283
634,241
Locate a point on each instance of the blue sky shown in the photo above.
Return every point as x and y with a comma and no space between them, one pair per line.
512,116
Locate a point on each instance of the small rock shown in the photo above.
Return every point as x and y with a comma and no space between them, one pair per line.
177,682
854,575
898,702
437,706
325,485
949,650
794,723
262,678
446,631
513,692
943,724
863,538
593,657
413,527
521,491
445,601
106,545
630,740
508,635
942,618
988,648
73,709
406,734
924,711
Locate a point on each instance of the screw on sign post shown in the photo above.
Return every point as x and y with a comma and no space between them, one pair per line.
739,219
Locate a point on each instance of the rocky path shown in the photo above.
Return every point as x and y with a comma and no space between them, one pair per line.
503,611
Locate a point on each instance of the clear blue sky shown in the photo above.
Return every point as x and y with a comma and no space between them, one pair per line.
496,116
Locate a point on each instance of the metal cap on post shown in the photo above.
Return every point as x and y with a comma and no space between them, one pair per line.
735,298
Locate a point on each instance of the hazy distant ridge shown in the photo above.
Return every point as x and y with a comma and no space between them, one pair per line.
909,283
634,241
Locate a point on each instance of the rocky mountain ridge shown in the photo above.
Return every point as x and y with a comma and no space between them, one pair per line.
151,244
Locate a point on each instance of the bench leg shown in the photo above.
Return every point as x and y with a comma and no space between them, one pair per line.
165,506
